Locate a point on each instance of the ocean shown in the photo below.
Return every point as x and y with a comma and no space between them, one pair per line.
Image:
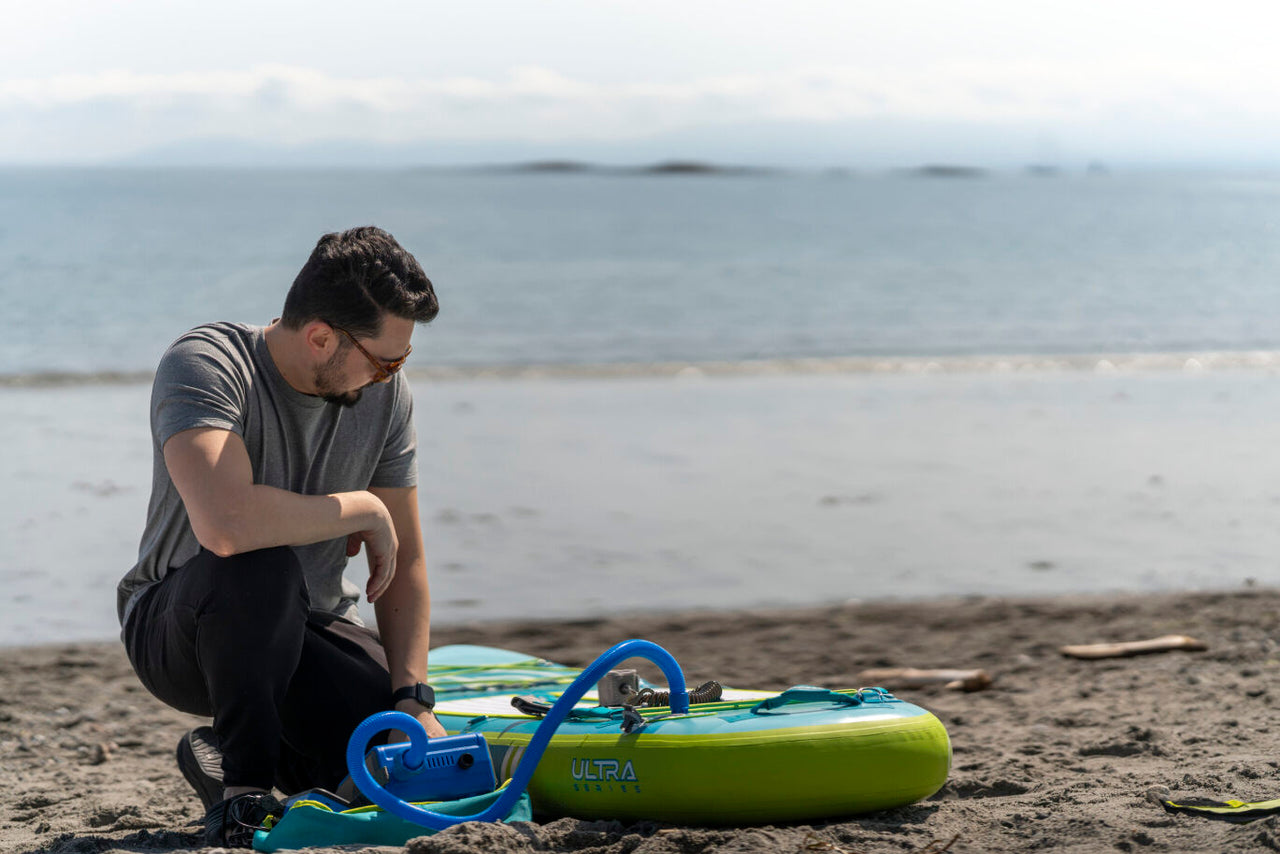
656,391
101,269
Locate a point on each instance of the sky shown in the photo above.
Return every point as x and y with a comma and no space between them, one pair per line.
789,82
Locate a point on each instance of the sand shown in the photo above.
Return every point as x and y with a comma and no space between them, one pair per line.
1058,753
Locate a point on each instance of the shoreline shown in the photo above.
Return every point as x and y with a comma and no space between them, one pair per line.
1103,362
463,625
652,495
1057,753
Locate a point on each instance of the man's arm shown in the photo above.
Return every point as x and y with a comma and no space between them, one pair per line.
231,514
404,613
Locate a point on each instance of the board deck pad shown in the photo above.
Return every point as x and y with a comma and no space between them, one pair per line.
499,704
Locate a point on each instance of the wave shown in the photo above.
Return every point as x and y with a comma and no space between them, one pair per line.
55,379
1098,363
1102,363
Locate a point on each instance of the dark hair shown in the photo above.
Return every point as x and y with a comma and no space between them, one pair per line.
352,277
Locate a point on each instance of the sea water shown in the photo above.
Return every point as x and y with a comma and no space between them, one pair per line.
657,391
99,270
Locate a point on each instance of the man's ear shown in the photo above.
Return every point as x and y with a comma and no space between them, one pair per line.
321,338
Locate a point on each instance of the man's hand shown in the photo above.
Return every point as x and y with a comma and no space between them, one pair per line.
431,724
381,544
425,717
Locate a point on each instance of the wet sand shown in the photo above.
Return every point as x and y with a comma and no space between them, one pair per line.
656,493
1058,754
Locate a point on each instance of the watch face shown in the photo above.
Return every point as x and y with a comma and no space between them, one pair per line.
421,693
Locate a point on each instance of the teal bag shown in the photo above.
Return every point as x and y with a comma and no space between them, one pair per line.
312,824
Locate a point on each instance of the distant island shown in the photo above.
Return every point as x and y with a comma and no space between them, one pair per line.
678,167
666,167
947,170
550,166
695,167
234,153
675,157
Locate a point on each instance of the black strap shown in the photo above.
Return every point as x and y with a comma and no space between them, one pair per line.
531,706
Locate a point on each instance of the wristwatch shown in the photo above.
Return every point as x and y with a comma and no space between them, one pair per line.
421,692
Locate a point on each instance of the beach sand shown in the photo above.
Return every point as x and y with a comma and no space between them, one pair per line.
1057,754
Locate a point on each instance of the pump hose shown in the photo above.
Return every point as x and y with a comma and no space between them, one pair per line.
415,754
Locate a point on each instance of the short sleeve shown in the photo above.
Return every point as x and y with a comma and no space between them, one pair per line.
398,463
197,384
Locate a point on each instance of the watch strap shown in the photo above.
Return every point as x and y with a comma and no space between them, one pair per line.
420,692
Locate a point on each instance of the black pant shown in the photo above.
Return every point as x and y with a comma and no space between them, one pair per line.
234,638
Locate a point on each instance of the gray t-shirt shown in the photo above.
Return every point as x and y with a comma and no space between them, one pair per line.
222,375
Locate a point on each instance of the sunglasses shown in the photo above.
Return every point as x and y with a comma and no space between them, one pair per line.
381,370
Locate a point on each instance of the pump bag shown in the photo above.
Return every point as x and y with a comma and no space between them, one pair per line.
311,824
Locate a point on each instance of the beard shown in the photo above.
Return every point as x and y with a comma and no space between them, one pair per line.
326,380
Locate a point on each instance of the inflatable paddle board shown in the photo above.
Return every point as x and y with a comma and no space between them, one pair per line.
752,757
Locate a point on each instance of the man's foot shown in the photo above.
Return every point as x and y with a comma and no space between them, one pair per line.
231,823
200,761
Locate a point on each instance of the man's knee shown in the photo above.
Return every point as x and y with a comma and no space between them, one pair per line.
271,578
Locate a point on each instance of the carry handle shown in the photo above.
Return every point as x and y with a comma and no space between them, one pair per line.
806,694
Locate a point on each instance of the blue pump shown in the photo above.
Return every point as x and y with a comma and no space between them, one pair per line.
461,763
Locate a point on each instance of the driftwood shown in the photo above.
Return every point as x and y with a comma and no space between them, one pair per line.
1167,643
910,677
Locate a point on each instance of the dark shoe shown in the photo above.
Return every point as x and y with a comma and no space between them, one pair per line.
200,761
231,823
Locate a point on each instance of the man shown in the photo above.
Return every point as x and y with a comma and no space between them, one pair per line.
278,453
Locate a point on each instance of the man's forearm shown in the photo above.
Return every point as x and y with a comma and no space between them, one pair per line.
404,611
404,622
264,516
231,514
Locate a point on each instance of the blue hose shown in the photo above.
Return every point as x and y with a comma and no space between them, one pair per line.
418,742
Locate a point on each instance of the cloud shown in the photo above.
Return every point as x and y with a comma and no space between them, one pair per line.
83,116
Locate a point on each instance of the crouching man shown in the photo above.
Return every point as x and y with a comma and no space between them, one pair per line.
279,452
